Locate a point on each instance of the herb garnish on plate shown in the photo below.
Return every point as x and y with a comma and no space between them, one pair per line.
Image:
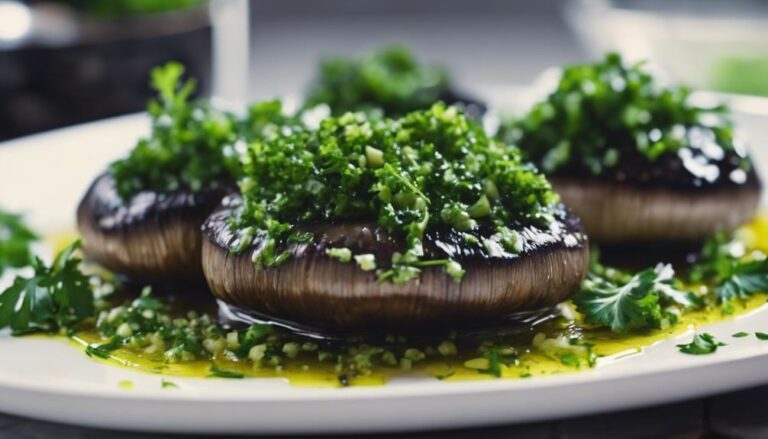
15,241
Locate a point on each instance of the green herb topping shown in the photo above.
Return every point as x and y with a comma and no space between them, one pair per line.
608,114
734,274
701,344
15,241
185,149
430,168
390,79
55,297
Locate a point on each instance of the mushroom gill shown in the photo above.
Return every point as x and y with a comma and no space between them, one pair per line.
316,290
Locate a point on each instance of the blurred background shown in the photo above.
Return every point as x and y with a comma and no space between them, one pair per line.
69,61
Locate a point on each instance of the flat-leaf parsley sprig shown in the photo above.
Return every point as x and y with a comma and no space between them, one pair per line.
702,344
627,303
15,241
733,273
57,296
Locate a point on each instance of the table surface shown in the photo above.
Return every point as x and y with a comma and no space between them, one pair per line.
737,414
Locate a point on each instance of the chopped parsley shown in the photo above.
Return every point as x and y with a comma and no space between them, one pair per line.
57,296
430,168
570,360
631,303
701,344
390,80
186,147
609,113
740,334
165,384
15,241
734,274
761,335
221,373
497,357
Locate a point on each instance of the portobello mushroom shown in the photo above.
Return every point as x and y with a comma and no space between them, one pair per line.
638,162
390,80
647,207
371,223
319,291
142,217
153,237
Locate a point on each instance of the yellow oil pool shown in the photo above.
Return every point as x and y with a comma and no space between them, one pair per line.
531,362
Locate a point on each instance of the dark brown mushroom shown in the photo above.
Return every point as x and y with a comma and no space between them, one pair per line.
615,212
318,291
153,238
671,199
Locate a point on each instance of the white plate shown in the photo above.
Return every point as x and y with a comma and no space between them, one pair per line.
45,175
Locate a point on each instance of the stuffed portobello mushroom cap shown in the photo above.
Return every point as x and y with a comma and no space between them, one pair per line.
636,161
153,237
316,290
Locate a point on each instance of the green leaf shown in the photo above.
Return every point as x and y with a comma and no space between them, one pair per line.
221,373
104,350
633,305
498,356
761,335
626,303
740,334
390,80
55,297
746,279
570,359
15,241
702,344
165,384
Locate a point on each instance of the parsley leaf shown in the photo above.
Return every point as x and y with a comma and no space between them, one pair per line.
186,147
740,334
607,114
221,373
390,79
55,297
15,241
746,279
722,263
165,384
428,169
761,335
634,303
498,356
103,350
701,344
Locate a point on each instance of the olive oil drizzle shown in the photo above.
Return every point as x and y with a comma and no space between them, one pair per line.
531,359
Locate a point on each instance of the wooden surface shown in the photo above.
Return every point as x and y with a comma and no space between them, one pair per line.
740,414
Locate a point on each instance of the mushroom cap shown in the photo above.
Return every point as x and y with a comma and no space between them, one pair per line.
154,238
615,212
316,290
